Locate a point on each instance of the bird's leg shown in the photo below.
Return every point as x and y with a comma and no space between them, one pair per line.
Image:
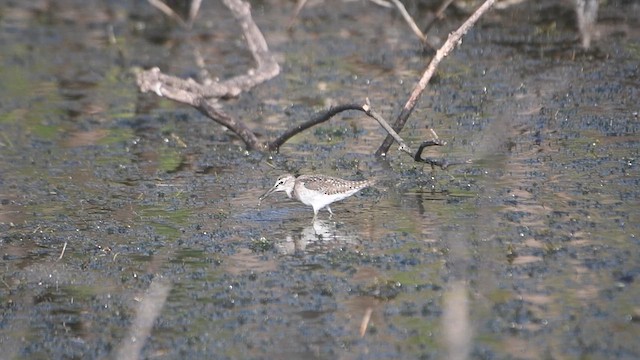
330,212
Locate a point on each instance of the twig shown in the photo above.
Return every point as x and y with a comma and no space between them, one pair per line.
439,14
435,141
167,10
186,91
507,3
382,3
147,312
267,66
452,41
587,14
441,163
409,20
193,11
202,95
364,324
317,119
368,110
158,4
372,113
299,5
64,247
209,108
325,116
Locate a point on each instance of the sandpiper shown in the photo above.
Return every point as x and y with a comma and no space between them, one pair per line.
318,191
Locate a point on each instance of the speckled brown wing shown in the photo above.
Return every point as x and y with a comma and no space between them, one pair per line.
331,185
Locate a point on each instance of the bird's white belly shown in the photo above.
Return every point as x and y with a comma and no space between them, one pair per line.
319,200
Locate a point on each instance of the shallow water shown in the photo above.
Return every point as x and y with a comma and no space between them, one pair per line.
530,251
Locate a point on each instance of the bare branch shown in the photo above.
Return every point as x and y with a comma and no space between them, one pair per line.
364,324
368,110
64,247
317,119
300,4
148,311
435,141
442,163
203,95
587,15
382,3
193,11
373,114
439,14
327,115
450,44
267,67
171,87
165,9
209,108
409,20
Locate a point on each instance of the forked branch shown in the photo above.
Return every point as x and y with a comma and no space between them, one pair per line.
317,119
369,111
204,95
447,47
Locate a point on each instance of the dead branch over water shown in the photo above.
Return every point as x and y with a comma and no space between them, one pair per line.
445,49
205,96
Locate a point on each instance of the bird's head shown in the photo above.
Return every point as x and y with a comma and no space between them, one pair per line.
284,183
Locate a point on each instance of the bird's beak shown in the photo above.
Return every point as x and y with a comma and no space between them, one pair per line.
266,194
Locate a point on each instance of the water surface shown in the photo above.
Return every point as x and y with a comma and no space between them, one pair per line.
530,251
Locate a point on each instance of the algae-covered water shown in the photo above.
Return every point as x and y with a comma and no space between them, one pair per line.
528,251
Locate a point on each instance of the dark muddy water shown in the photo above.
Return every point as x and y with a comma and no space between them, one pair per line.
530,251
